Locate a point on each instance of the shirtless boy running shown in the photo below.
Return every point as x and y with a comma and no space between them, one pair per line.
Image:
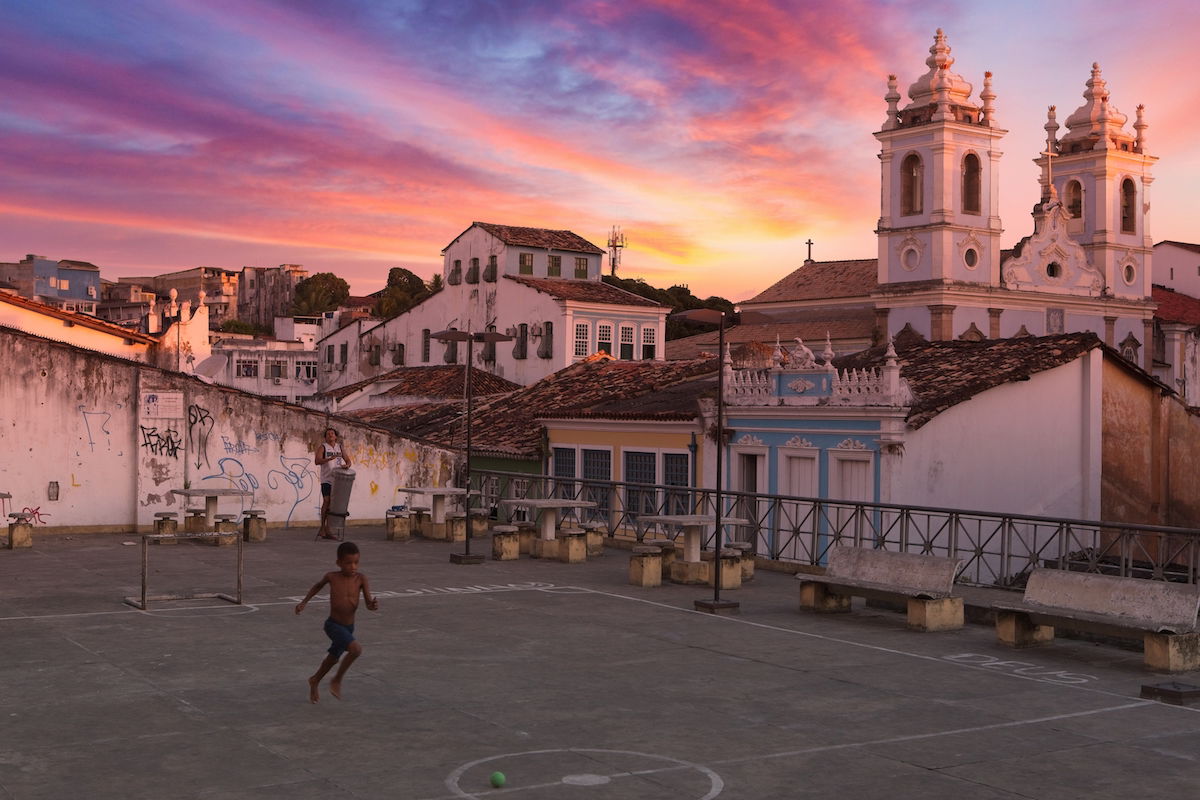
344,585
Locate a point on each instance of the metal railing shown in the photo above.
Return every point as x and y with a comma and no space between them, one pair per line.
997,549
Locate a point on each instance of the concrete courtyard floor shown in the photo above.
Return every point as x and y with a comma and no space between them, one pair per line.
565,678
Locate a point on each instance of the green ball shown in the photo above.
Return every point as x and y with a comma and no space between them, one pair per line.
497,779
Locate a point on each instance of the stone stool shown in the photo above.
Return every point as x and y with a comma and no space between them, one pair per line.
166,524
596,532
254,525
645,566
20,530
669,554
747,559
419,521
731,569
225,526
196,521
572,545
526,532
506,544
478,520
399,527
456,526
543,548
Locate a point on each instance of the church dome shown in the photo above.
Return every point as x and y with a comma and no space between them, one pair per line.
1096,118
925,89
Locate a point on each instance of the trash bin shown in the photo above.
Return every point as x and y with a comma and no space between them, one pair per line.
339,497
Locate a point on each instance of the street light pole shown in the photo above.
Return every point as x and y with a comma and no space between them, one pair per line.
452,335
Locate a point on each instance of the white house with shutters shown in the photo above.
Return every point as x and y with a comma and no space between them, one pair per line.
542,287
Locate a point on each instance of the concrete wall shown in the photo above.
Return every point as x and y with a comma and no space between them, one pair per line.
116,437
1019,448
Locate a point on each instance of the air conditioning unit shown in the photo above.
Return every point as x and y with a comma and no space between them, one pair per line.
341,366
327,367
276,381
511,330
535,329
91,291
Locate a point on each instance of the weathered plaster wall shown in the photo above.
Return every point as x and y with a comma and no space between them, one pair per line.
1018,448
1131,490
1183,475
117,437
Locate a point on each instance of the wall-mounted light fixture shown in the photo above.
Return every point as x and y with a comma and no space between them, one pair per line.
52,491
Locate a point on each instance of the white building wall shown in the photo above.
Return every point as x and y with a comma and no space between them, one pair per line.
116,437
993,452
1177,268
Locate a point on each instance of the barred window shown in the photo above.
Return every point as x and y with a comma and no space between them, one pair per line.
581,267
648,336
604,338
554,267
525,263
627,342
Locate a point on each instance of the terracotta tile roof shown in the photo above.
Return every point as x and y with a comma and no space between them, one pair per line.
507,425
439,381
584,291
82,320
541,238
1175,306
677,402
821,280
943,374
857,323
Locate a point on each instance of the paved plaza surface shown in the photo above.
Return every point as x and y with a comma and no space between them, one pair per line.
565,678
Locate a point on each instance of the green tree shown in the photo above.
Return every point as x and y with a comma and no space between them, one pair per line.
404,290
435,283
677,298
238,326
319,293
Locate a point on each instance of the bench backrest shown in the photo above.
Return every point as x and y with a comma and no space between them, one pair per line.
1167,606
932,574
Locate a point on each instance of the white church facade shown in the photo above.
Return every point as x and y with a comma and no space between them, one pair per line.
940,268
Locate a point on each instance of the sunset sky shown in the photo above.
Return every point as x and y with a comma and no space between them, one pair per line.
352,136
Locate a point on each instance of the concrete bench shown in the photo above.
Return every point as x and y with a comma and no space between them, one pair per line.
669,554
596,531
745,559
572,545
397,523
526,533
731,569
925,582
1162,614
456,526
20,530
645,566
165,524
196,521
420,521
506,544
254,525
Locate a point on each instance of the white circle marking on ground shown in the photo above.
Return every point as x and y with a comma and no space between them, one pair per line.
716,785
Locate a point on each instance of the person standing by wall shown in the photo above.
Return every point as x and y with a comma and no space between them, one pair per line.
329,456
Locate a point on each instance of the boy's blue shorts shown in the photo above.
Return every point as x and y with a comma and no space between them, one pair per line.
340,635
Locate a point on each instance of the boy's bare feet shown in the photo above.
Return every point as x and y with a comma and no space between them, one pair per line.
313,695
335,688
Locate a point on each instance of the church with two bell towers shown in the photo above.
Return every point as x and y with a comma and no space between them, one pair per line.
1086,266
941,268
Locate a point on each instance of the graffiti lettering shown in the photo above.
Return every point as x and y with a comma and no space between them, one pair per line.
233,471
36,513
101,426
265,437
166,443
297,474
237,448
200,424
1019,668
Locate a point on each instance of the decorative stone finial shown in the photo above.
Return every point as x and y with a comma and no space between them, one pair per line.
893,100
203,294
988,96
1140,126
828,353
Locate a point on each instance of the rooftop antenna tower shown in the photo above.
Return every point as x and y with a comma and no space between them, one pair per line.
616,240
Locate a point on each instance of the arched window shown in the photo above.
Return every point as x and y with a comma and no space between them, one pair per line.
971,176
910,185
1074,199
1128,207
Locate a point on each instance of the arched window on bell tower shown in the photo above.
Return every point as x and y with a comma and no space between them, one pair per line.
1074,199
1128,207
910,185
971,174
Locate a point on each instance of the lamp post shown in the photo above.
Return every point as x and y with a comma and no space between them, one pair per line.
714,316
470,337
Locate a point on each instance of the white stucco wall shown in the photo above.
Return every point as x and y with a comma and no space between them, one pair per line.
89,425
1024,448
1177,268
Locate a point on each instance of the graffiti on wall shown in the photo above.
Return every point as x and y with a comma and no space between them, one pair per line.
36,514
298,474
161,443
238,448
95,423
235,473
200,425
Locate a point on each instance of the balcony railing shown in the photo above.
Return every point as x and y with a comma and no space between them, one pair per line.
998,550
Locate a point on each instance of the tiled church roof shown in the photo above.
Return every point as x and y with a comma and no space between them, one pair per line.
821,280
437,381
839,324
1175,306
